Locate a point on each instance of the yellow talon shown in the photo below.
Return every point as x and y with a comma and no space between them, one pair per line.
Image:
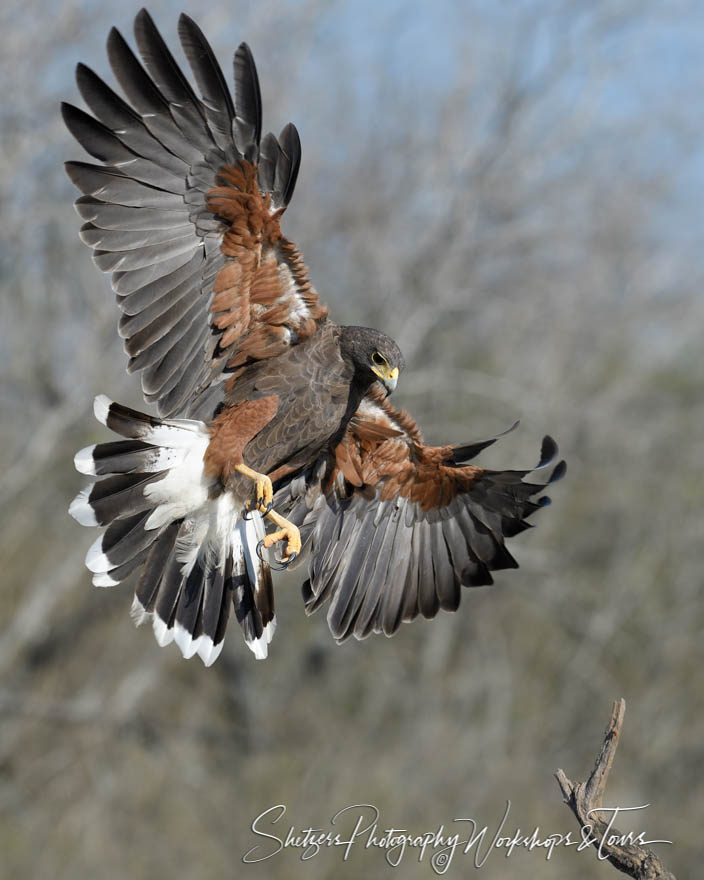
265,498
265,494
264,490
286,531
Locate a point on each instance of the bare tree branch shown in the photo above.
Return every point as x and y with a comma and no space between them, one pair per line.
585,799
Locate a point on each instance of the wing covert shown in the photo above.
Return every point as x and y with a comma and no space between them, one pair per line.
184,212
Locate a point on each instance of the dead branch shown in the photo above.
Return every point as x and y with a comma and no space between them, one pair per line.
585,799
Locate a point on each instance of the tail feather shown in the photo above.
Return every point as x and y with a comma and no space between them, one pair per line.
216,613
166,600
122,541
172,433
148,584
253,593
126,457
190,602
163,512
112,498
217,605
116,575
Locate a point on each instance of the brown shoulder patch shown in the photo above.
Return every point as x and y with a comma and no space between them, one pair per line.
232,430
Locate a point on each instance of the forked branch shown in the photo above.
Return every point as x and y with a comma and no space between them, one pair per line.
585,799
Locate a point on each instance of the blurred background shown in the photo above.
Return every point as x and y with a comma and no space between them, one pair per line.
513,191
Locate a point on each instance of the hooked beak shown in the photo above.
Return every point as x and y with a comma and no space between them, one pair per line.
389,376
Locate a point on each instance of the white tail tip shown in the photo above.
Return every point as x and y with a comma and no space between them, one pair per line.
101,405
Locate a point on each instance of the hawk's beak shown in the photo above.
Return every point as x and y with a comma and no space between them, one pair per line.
388,375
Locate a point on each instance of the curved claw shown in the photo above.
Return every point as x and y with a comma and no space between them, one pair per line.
260,508
273,564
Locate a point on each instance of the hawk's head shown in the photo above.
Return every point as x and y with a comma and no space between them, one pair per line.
374,355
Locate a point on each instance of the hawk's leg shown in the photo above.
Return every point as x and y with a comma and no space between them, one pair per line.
265,498
264,490
288,531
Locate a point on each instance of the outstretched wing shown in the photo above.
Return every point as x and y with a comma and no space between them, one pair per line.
184,211
393,528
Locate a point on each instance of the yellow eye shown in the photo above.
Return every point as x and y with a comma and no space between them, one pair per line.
379,360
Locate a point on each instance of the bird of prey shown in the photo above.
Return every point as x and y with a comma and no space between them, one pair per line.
269,413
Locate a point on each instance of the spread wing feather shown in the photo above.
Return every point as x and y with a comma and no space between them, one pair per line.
184,212
393,528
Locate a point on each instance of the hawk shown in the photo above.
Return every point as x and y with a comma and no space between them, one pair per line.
270,414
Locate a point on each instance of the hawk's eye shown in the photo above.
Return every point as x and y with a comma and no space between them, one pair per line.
378,359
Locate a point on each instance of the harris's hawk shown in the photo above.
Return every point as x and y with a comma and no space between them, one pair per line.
267,409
